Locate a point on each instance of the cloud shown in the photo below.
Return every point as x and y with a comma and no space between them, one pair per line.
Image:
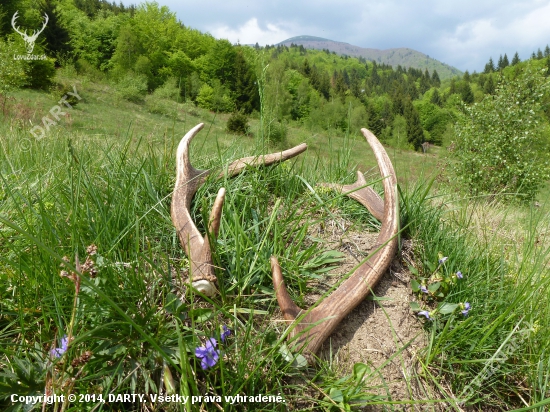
474,41
251,32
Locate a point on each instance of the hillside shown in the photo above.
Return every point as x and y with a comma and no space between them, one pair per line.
404,56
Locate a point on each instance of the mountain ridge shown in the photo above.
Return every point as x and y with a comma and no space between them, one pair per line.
404,56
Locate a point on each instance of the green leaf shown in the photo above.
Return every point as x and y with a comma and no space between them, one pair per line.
446,308
201,314
359,371
413,270
415,286
336,395
415,307
434,286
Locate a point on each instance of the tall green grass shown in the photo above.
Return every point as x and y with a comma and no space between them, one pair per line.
139,326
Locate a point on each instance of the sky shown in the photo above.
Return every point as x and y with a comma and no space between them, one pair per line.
463,33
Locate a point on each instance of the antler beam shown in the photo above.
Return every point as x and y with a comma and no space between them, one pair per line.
312,327
188,181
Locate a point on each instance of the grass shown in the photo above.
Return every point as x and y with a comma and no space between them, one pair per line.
106,180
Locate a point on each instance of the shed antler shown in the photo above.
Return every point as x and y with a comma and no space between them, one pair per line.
188,181
315,325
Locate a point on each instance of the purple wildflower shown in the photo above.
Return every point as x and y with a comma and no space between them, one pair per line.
423,288
58,352
208,354
226,332
466,309
424,313
459,274
443,259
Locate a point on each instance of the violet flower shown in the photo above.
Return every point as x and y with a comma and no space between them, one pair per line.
443,259
208,354
466,309
58,352
423,288
459,274
226,332
424,313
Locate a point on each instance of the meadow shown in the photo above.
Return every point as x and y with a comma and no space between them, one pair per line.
92,293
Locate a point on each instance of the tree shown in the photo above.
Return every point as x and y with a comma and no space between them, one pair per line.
505,62
435,79
7,10
546,51
415,133
489,86
539,54
436,98
500,145
515,59
490,66
244,89
466,93
55,35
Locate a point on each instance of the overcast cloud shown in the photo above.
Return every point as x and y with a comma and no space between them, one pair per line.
463,34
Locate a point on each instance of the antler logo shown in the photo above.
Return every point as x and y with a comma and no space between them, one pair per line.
29,40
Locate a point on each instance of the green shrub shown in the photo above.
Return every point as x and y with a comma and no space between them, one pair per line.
237,123
158,105
500,143
132,87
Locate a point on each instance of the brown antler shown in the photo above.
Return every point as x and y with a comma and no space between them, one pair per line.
315,325
188,181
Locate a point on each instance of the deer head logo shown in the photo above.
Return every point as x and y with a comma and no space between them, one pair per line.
29,40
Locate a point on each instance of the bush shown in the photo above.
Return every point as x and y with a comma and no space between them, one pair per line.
237,123
132,87
500,144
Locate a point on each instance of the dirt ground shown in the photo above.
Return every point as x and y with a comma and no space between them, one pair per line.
384,334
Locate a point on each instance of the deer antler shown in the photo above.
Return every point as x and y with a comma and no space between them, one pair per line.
13,19
188,181
314,326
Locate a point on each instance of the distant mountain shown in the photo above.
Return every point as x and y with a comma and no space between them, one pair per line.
404,56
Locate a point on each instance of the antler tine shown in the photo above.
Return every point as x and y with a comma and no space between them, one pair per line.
13,19
318,323
188,181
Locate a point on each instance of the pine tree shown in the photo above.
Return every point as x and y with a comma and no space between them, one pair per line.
56,37
539,55
505,62
415,133
515,59
435,79
490,66
7,10
244,89
499,64
466,76
467,94
546,51
436,98
489,86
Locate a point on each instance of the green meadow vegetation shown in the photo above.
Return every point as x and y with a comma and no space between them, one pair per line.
92,293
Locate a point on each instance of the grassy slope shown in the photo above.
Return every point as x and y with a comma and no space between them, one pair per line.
115,192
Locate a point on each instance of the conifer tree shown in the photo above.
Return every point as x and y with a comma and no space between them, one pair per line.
55,37
539,54
415,133
490,66
505,62
436,98
499,64
515,59
546,51
435,79
467,94
489,86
